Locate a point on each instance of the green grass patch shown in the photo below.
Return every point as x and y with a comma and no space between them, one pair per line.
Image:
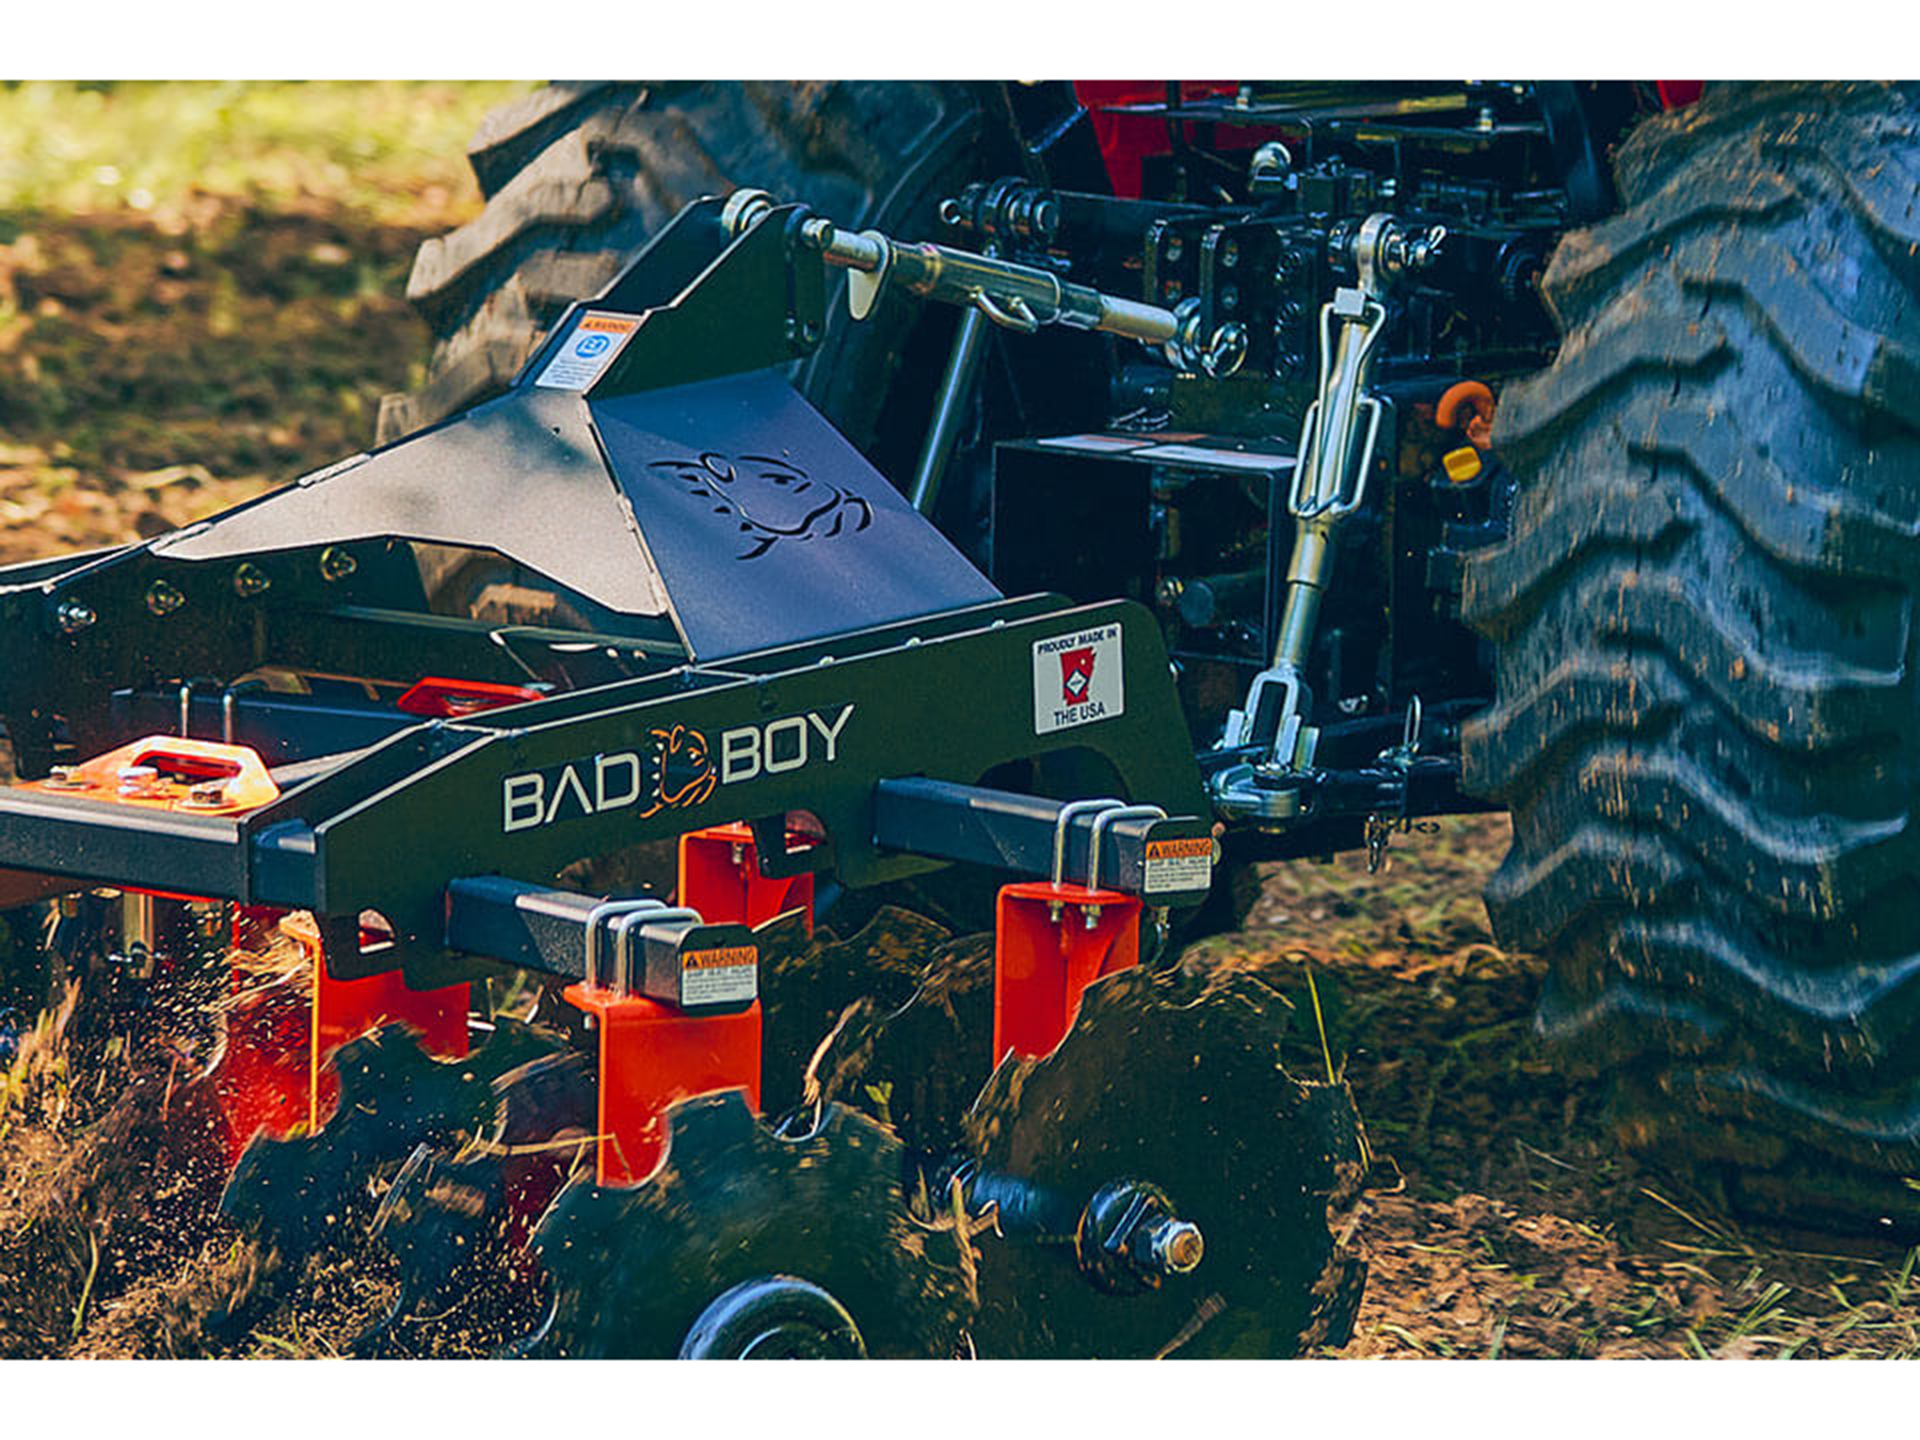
391,149
202,287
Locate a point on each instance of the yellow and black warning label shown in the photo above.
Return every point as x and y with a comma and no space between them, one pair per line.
1176,865
725,975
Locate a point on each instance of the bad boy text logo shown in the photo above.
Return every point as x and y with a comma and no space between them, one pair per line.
678,771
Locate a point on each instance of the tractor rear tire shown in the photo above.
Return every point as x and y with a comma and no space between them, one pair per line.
579,175
1707,725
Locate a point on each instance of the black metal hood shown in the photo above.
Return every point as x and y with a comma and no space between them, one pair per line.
728,504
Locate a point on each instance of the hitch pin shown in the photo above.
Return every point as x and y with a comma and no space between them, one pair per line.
1379,828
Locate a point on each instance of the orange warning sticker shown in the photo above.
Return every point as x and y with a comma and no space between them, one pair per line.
1178,849
1177,865
726,955
724,975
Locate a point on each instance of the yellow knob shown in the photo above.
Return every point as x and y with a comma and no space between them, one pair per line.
1462,464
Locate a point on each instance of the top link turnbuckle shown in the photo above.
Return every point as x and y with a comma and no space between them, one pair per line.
1012,295
1335,456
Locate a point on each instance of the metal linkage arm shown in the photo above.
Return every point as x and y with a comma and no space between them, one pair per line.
1329,483
1015,296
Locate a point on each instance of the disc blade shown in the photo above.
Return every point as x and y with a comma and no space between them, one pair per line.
1176,1081
633,1269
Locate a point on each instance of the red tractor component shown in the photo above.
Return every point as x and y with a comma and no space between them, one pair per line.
283,1024
653,1055
1051,941
438,696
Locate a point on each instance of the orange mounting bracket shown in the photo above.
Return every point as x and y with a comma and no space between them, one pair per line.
1053,939
720,877
275,1074
170,772
653,1054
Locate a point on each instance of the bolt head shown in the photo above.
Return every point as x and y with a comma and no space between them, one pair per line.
337,564
163,599
72,617
138,780
1181,1247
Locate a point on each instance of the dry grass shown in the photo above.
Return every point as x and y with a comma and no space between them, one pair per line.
1502,1219
391,150
35,1087
201,288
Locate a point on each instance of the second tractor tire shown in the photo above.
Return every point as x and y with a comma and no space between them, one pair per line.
1708,728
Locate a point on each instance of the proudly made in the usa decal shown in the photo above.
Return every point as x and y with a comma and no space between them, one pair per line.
1077,679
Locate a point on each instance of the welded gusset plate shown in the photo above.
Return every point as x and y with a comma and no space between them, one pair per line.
1176,1081
293,1195
633,1269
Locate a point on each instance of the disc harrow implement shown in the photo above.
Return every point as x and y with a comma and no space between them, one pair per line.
748,1100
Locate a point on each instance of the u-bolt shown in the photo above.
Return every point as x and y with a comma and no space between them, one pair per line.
186,702
1061,822
623,928
228,697
604,911
1100,823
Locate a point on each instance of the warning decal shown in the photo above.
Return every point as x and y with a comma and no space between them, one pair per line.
728,975
587,351
1077,679
1175,865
